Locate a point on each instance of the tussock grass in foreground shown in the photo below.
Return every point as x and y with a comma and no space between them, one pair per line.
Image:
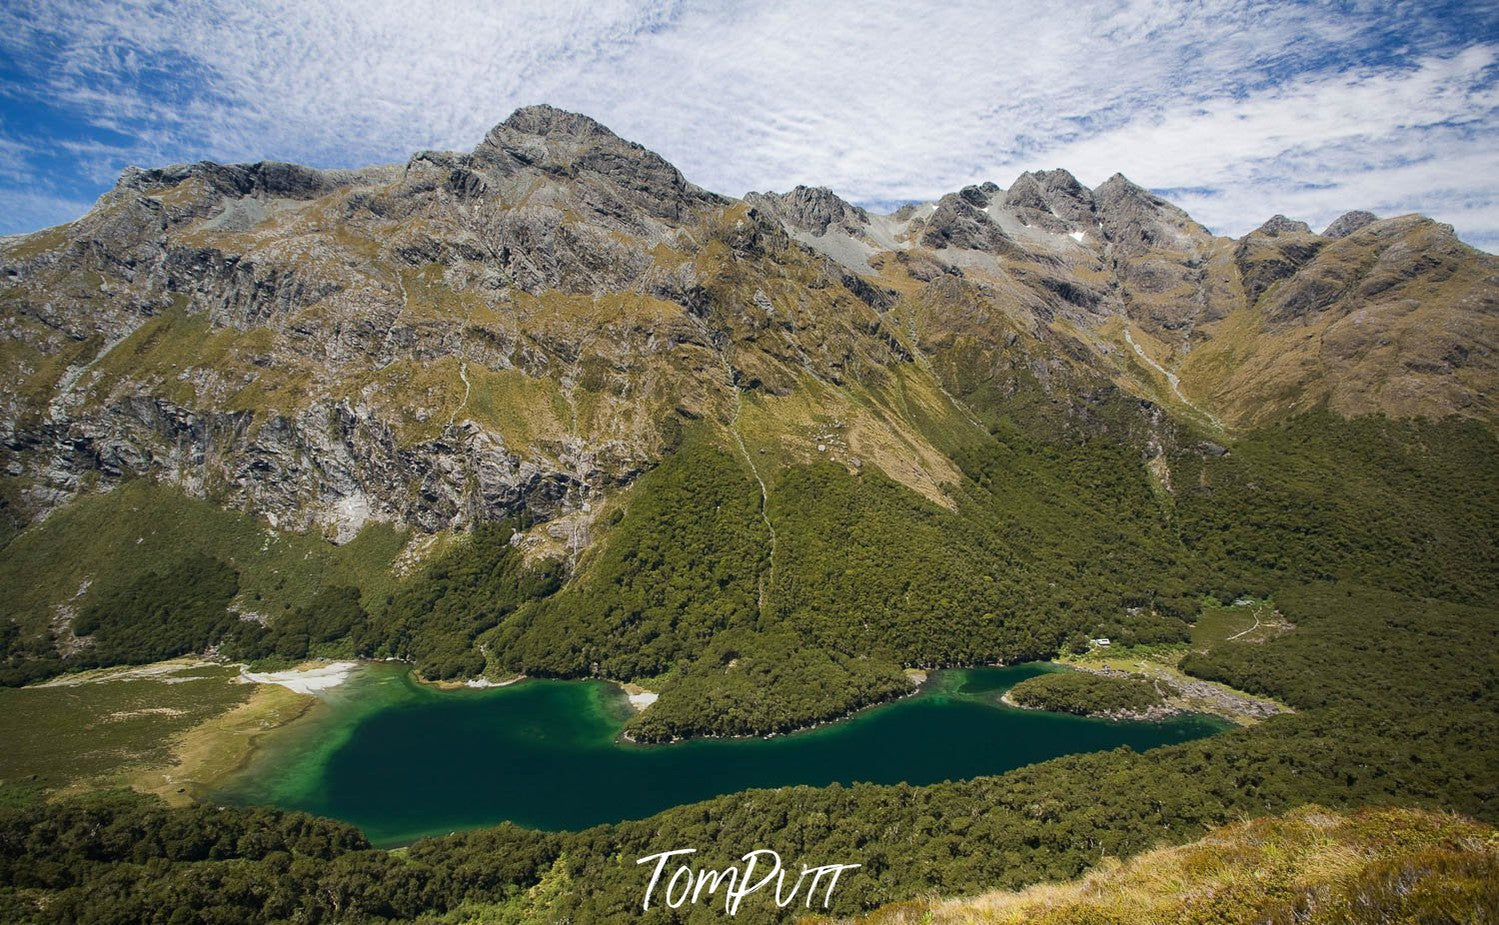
1309,866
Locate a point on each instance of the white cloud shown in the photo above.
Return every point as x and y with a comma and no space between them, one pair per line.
1421,139
33,211
880,100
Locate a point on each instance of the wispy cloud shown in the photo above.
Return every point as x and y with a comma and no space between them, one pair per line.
28,211
1255,107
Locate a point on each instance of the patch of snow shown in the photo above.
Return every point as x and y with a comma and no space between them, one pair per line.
1076,236
306,681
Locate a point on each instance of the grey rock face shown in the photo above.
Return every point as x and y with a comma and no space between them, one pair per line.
330,465
1267,257
1278,225
1136,220
550,202
267,178
470,335
1349,222
974,196
811,209
616,175
456,339
1391,262
959,223
1052,192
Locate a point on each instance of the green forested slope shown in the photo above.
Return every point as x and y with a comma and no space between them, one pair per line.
1412,506
1086,694
1049,541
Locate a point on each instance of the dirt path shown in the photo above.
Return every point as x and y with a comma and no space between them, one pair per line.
1250,630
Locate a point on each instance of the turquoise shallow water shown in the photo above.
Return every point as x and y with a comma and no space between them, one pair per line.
402,760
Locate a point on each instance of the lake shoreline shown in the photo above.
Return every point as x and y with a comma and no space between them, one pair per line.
191,773
197,777
550,755
919,679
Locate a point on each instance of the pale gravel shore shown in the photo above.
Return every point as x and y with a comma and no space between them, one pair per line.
640,698
482,683
303,680
1194,695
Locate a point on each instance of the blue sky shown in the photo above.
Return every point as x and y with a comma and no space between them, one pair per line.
1237,109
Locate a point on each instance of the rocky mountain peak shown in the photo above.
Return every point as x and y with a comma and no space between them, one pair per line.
543,119
1349,222
375,320
978,196
616,178
1137,220
961,220
1120,200
1054,192
1278,225
1051,181
553,139
812,209
1119,187
266,177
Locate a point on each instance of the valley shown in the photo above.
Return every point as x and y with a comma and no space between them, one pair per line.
791,472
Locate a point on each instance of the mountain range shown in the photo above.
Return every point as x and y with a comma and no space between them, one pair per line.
780,436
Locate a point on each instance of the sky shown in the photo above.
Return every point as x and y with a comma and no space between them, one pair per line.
1234,109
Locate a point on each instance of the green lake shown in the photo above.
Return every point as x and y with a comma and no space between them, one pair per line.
401,760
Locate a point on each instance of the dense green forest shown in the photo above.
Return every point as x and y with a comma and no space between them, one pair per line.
1412,506
1412,719
181,609
432,619
1086,694
1050,541
869,578
330,617
681,566
435,619
752,682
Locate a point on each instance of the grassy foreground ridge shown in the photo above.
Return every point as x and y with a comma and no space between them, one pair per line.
1309,867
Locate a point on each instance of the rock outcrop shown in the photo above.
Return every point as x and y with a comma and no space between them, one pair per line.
811,209
1349,222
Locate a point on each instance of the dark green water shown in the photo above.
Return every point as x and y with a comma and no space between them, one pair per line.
401,760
